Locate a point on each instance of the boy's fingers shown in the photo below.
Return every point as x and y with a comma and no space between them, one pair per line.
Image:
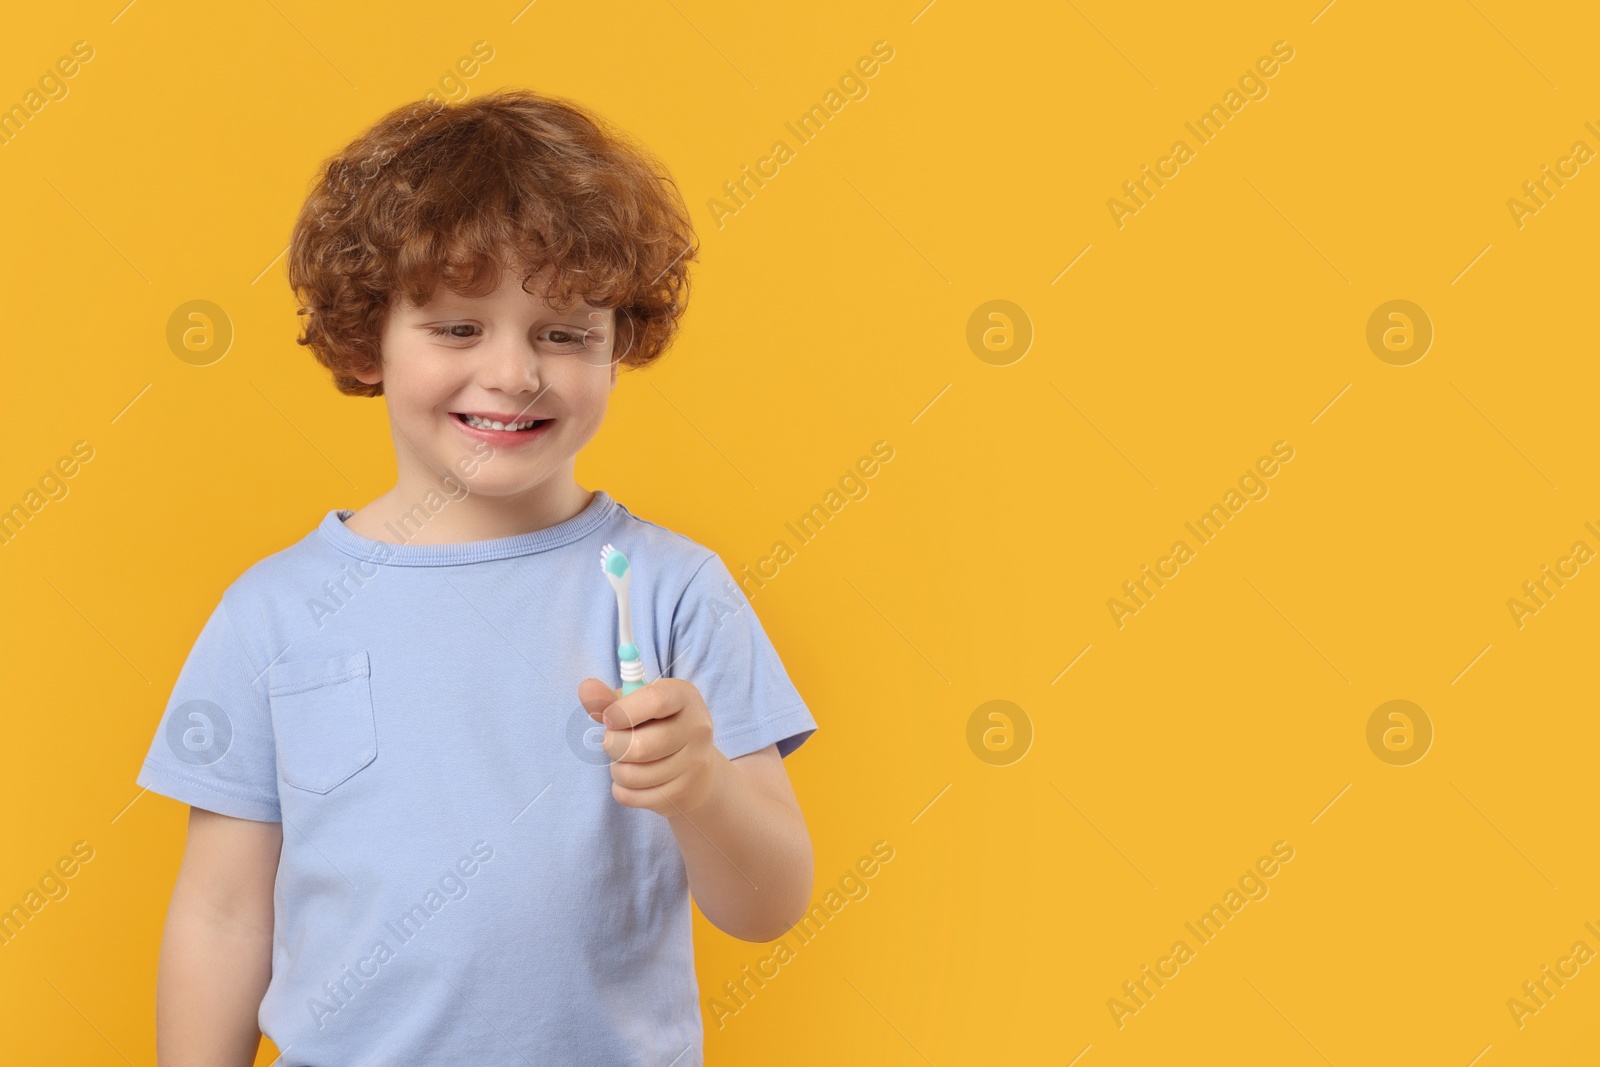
658,699
596,696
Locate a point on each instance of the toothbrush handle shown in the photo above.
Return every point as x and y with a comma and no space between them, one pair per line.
632,667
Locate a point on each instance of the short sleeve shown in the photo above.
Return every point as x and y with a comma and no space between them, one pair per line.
213,748
718,644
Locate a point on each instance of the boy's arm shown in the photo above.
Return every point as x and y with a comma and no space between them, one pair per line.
747,850
216,953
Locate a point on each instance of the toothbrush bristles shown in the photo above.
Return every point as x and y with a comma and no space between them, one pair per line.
609,558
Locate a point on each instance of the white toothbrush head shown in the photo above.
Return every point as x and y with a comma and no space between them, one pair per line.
615,566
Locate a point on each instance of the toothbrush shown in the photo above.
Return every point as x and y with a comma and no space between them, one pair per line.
615,565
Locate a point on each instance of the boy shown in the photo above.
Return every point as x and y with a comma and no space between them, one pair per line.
425,828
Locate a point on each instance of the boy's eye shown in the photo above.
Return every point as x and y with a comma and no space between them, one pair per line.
563,337
440,331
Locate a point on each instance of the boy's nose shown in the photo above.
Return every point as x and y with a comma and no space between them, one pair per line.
513,367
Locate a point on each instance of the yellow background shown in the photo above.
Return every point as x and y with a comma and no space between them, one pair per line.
831,312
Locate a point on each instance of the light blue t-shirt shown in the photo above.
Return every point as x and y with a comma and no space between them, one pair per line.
457,884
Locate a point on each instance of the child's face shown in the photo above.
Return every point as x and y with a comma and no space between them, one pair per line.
506,354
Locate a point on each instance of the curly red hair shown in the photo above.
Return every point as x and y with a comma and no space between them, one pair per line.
458,193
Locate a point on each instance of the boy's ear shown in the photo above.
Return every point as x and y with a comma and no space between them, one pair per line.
369,377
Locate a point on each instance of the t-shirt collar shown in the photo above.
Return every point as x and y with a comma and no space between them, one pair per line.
335,532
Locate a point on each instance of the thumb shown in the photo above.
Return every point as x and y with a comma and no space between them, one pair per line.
596,696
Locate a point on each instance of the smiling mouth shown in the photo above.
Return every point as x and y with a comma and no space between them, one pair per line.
516,427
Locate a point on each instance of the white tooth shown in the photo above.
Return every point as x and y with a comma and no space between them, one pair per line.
490,424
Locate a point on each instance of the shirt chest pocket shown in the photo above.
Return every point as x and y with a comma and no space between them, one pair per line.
322,720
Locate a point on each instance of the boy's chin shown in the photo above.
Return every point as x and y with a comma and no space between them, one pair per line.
511,486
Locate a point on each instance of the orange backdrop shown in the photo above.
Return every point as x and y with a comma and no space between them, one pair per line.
1207,662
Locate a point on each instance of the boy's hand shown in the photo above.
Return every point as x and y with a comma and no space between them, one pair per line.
659,741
